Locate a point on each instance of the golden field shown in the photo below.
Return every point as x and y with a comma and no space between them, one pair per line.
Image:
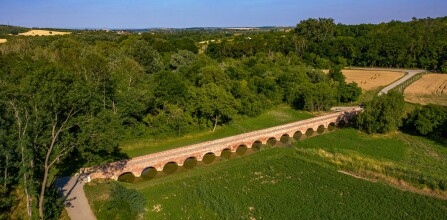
371,79
431,88
43,33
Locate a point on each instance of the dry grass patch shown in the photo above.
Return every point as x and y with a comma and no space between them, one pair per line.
43,33
2,41
431,88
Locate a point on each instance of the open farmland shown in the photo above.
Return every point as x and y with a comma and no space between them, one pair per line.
431,88
43,33
371,79
2,41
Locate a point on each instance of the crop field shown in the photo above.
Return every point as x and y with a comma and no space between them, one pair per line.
281,115
2,41
282,182
431,88
43,33
273,184
371,79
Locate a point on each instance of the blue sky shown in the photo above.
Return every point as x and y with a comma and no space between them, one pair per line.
206,13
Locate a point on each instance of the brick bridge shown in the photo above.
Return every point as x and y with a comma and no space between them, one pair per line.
137,165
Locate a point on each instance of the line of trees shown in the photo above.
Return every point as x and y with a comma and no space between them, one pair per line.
420,43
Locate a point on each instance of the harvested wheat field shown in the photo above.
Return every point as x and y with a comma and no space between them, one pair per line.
43,33
2,41
371,79
431,88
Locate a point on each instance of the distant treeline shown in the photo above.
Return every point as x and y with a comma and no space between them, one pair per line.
420,43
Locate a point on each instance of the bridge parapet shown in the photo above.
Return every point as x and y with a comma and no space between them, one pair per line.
158,160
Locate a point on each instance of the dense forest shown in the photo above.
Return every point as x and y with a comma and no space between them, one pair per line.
69,100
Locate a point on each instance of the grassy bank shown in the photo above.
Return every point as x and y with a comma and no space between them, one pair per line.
280,115
411,162
273,184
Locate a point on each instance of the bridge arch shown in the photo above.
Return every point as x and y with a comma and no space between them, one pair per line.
208,158
331,126
226,153
272,141
256,145
285,138
321,129
241,149
127,177
297,135
170,167
309,132
190,162
149,172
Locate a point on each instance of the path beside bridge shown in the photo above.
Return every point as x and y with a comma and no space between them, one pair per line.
75,201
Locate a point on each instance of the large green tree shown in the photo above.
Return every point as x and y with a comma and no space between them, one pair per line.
382,114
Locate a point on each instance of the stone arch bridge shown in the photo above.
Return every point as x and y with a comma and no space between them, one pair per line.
137,165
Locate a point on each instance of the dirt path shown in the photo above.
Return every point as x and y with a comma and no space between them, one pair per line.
410,73
76,203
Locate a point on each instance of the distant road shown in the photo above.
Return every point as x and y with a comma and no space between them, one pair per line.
410,73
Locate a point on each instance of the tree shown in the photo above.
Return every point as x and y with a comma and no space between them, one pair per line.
215,103
147,57
428,120
182,58
336,74
315,97
382,114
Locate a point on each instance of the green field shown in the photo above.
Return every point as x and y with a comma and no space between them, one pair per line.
397,157
297,183
280,115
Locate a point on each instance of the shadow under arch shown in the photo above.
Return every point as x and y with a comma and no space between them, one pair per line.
126,177
284,139
331,126
190,163
170,168
257,145
271,141
309,132
297,135
208,158
226,153
241,149
320,129
149,173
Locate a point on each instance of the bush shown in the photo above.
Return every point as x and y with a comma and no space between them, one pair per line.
124,203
